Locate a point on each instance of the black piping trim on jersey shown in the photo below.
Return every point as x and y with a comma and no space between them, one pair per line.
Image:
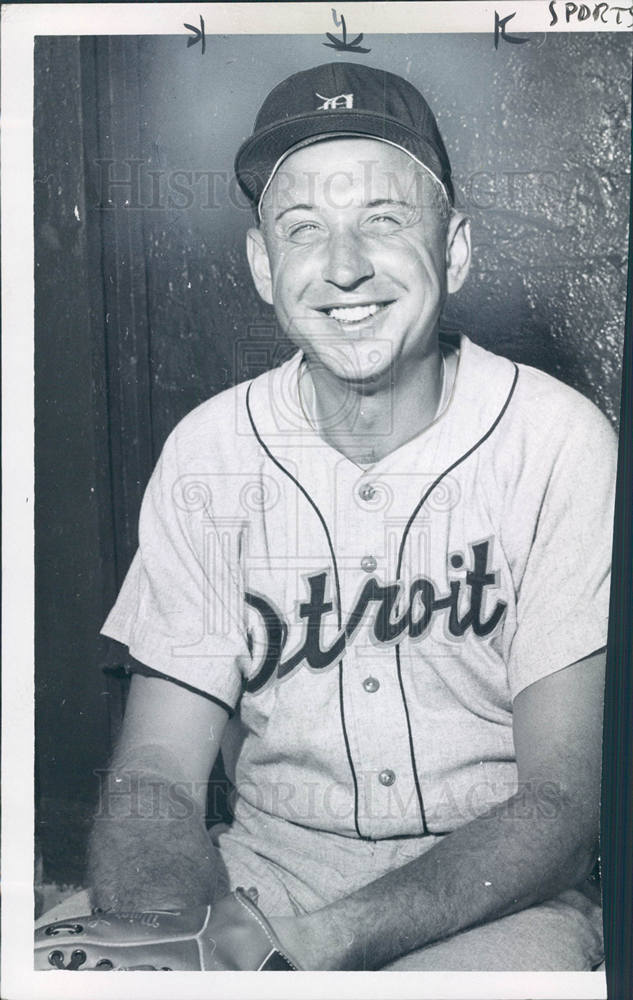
415,513
133,666
302,489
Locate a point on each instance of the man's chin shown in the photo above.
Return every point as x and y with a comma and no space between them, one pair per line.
359,363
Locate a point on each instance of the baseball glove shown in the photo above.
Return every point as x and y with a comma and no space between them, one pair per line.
232,934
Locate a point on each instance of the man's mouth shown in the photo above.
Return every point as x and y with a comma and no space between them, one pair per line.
355,314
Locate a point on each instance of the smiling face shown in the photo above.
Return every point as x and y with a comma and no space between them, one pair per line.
356,253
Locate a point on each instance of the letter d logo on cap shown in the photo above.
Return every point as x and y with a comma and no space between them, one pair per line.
331,103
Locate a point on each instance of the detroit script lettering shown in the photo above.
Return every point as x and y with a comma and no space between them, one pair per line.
423,603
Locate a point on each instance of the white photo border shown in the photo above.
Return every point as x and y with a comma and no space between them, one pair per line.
20,24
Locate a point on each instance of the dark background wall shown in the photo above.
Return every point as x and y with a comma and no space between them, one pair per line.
144,306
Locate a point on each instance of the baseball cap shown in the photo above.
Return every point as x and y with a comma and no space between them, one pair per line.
334,100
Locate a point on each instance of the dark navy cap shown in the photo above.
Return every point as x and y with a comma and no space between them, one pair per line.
346,99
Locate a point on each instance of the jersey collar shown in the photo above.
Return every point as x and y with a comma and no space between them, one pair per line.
481,390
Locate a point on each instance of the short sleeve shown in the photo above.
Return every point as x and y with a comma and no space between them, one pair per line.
180,608
563,598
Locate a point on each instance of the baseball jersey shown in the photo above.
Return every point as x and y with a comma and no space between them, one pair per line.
368,629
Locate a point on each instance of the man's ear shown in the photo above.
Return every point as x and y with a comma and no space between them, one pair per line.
457,251
259,263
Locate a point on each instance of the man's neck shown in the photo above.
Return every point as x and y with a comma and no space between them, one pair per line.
367,422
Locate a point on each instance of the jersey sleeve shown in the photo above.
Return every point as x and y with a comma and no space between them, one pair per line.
563,598
180,608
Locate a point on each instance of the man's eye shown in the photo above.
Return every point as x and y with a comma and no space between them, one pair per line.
302,231
384,222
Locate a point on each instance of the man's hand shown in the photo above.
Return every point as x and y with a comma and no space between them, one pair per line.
525,850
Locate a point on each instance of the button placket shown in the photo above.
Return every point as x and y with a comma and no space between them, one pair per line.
373,710
372,703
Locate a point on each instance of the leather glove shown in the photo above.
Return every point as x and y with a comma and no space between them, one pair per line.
232,934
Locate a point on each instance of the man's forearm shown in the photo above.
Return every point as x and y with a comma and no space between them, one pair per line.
149,847
512,857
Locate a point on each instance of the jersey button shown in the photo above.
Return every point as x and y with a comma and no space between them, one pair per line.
367,491
368,563
386,777
371,684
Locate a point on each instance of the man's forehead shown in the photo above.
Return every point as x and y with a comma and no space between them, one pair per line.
368,169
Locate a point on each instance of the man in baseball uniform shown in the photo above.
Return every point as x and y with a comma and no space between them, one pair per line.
376,578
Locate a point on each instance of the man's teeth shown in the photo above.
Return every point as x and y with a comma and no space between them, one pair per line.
353,314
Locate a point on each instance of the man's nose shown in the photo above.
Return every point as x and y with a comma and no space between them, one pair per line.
346,262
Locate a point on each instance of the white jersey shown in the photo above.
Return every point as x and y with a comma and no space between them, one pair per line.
369,628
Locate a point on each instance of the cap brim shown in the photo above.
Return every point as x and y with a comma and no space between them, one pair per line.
258,155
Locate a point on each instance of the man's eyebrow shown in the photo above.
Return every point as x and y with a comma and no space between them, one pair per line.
294,208
379,202
374,203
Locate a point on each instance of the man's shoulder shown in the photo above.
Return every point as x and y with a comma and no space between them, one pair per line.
539,402
220,430
551,406
214,415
